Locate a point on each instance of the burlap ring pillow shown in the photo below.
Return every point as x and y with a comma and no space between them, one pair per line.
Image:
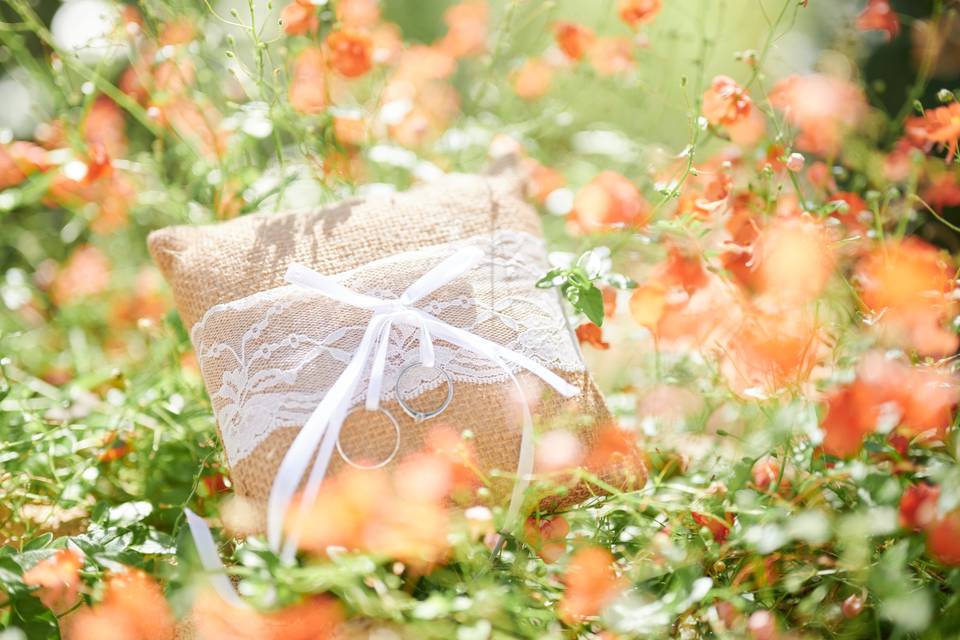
269,350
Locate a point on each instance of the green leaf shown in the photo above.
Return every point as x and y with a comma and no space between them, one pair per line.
591,304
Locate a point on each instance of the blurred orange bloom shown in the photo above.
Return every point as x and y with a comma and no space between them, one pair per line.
607,202
878,15
466,28
349,129
133,608
726,102
542,180
922,399
591,334
749,130
682,269
198,124
638,12
918,506
86,273
448,445
532,79
145,302
909,285
943,191
573,39
19,160
938,127
316,618
857,216
547,537
718,527
771,349
308,82
852,413
105,125
402,517
350,52
822,107
358,13
611,55
178,32
57,580
591,584
299,18
647,304
943,539
617,448
794,257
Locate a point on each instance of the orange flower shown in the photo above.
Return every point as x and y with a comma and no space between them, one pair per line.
852,413
402,517
349,130
638,12
133,608
198,124
350,52
617,448
104,125
726,102
771,350
543,180
610,56
794,258
879,16
938,127
316,618
822,107
591,584
448,445
591,334
178,32
857,215
57,580
923,400
943,539
358,13
908,284
86,273
308,82
532,79
573,39
19,160
648,303
609,201
466,28
299,18
718,527
748,131
943,191
918,506
547,536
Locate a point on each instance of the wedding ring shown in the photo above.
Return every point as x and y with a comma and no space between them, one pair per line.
420,416
393,454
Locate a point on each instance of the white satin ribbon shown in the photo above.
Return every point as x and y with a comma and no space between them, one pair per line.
317,438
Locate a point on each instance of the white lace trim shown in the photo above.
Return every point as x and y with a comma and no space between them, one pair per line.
269,358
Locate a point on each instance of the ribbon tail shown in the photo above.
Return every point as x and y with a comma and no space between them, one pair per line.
210,559
298,457
524,460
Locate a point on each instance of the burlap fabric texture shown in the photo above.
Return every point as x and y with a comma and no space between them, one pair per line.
269,350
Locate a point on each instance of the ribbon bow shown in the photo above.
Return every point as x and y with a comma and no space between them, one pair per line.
318,436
